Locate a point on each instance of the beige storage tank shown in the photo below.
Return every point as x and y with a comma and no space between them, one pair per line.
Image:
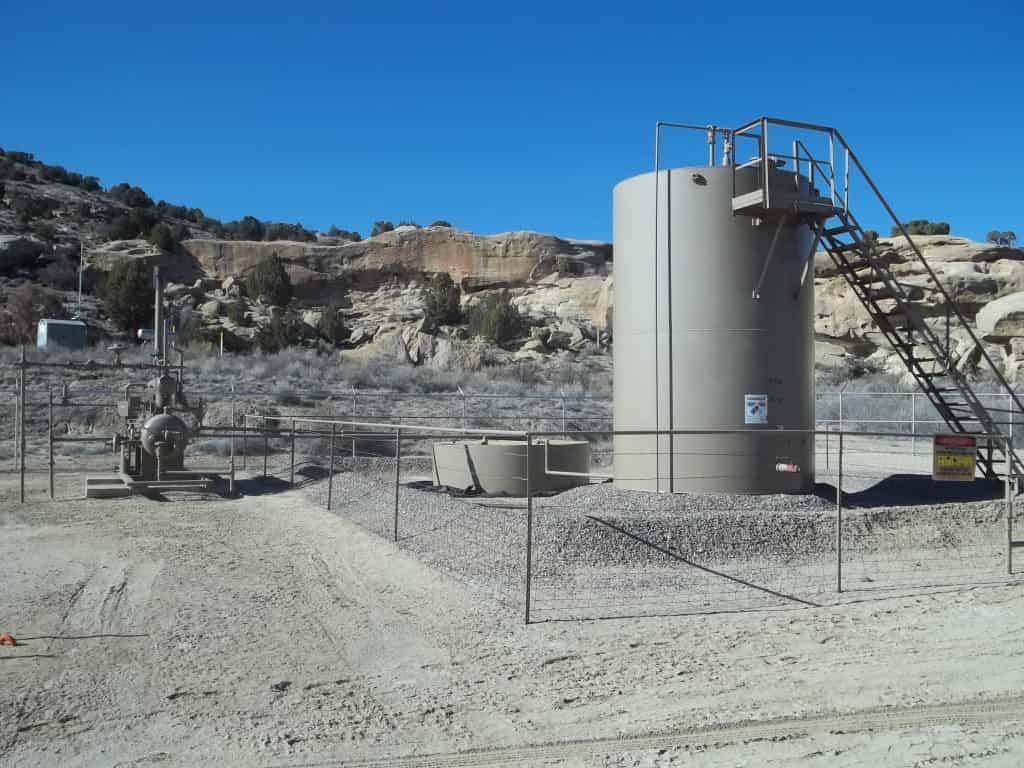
499,466
695,349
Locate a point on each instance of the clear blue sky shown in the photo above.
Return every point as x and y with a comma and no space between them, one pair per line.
502,116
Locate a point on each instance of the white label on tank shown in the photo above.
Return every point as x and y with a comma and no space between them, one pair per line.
755,409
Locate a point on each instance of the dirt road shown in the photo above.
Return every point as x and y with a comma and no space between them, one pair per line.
265,631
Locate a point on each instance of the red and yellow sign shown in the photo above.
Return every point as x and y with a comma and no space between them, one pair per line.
954,458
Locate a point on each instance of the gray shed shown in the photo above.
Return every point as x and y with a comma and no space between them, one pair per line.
69,334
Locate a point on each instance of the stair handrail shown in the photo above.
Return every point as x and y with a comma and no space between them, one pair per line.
835,134
931,273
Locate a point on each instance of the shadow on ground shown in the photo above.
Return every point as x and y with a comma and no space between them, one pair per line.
912,490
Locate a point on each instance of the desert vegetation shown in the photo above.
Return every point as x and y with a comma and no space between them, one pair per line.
127,293
269,281
442,301
922,227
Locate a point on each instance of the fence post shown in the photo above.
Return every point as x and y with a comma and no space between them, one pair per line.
529,527
266,445
840,411
234,423
231,465
827,430
1011,425
913,423
1009,511
17,420
291,480
839,519
330,476
398,469
463,407
563,414
50,438
21,433
245,440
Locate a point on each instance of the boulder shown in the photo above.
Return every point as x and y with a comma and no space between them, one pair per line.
312,317
419,346
211,308
362,335
829,355
1003,318
559,339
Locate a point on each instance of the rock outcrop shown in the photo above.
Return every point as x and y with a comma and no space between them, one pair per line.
507,259
985,281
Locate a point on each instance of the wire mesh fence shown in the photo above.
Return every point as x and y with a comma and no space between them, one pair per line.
383,481
902,529
875,523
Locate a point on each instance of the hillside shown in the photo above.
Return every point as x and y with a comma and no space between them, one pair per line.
562,289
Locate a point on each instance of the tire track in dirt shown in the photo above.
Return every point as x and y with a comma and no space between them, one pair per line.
882,719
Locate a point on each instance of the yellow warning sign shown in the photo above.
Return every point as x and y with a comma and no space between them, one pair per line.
954,458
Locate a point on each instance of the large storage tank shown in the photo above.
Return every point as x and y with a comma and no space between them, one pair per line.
694,349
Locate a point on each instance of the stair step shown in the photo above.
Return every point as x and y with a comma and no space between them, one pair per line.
846,247
862,264
840,230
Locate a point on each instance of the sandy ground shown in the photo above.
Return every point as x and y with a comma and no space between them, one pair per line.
265,631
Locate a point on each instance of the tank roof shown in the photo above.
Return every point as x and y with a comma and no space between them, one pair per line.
49,321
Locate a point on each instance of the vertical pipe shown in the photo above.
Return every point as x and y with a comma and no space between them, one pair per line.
840,411
50,439
832,167
292,476
711,146
81,268
671,344
657,311
766,198
839,519
158,307
330,475
563,414
245,441
529,528
846,179
463,409
21,426
796,165
266,446
398,470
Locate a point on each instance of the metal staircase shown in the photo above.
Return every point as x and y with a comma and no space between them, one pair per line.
769,188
